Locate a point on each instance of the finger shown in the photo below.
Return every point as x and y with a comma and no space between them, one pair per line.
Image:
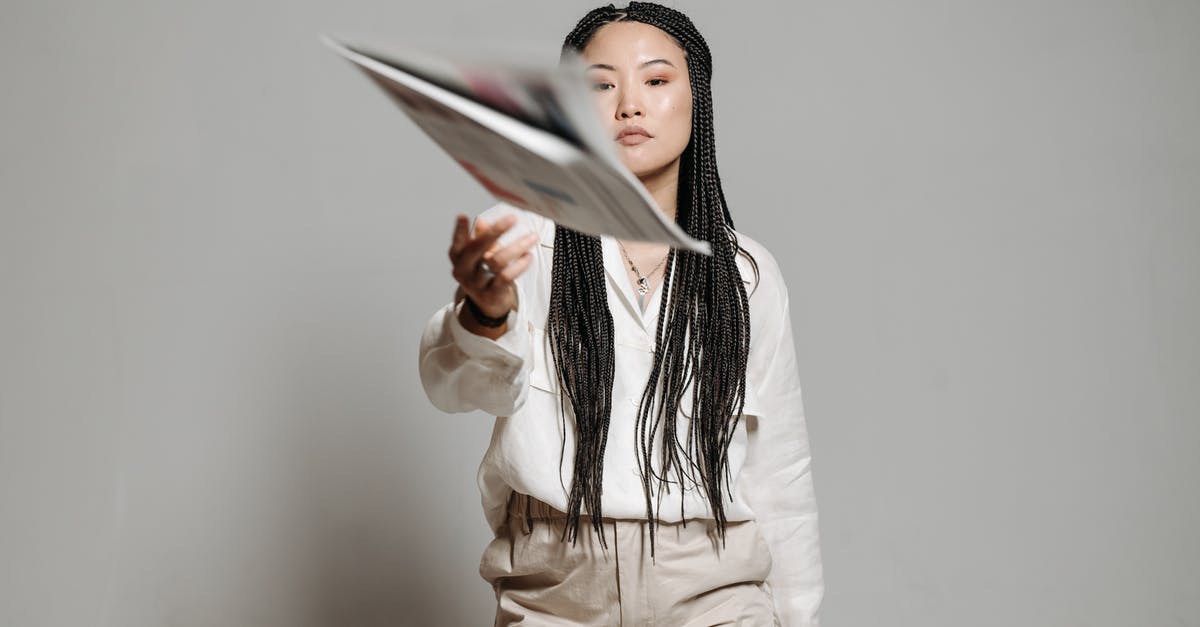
514,269
480,244
470,276
479,278
491,230
460,235
466,259
498,258
474,230
481,227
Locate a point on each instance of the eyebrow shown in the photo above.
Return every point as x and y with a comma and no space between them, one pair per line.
605,66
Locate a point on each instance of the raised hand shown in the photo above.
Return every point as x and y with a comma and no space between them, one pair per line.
486,271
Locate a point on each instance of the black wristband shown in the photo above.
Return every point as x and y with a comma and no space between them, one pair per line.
482,318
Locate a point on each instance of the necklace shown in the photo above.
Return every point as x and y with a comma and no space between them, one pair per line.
643,281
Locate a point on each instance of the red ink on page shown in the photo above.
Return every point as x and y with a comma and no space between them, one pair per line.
491,185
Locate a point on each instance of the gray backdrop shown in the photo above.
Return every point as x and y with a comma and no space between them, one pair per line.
219,244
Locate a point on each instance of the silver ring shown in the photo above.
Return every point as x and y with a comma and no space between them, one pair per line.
483,267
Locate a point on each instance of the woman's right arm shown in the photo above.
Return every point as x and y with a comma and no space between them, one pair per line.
465,366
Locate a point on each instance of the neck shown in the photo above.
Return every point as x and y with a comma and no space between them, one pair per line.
663,185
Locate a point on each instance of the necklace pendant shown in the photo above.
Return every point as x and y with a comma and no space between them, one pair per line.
643,285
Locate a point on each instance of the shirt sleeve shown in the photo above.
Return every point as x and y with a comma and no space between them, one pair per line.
462,372
777,477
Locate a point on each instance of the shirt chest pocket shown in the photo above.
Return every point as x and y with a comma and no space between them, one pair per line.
543,375
632,363
753,405
635,360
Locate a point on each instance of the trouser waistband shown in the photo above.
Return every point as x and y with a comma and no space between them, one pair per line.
537,508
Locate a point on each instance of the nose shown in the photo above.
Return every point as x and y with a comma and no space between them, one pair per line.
629,105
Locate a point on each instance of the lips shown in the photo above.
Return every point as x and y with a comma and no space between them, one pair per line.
633,130
633,135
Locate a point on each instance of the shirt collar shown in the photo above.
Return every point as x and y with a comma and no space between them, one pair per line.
618,277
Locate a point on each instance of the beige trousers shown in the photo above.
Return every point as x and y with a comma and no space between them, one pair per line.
692,582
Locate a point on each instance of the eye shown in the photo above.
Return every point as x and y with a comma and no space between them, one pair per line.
601,86
661,80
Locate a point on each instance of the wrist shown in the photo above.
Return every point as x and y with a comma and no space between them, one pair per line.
467,321
481,317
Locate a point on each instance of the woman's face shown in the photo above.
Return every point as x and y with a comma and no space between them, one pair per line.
639,79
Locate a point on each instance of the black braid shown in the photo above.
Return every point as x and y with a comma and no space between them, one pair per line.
703,331
581,329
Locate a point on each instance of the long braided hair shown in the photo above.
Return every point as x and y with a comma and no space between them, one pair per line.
703,331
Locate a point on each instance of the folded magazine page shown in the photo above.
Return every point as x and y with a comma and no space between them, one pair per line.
528,134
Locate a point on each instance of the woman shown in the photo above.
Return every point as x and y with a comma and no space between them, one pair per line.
625,375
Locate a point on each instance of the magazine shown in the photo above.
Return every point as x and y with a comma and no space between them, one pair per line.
530,135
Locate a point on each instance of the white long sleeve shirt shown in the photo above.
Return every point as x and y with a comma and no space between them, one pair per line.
513,379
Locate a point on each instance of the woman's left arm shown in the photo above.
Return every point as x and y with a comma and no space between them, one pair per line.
777,474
